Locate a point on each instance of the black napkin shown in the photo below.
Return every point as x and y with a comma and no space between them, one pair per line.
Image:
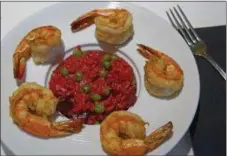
208,129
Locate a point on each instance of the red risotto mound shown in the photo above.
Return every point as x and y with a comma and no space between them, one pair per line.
93,84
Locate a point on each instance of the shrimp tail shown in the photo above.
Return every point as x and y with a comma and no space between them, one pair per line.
45,129
142,49
88,18
64,128
21,54
147,52
69,126
83,21
159,136
21,68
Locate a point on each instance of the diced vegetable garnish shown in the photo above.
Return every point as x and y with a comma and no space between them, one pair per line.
64,71
103,73
134,81
86,88
106,64
99,108
106,57
114,57
96,97
96,122
79,76
77,52
106,91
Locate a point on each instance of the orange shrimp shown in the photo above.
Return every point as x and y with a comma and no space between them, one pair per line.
123,133
163,76
38,43
32,106
113,26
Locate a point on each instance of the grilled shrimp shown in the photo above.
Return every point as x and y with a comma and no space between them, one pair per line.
123,133
163,76
39,43
113,26
32,107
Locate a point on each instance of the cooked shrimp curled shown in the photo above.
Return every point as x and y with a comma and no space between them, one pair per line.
40,43
123,133
113,26
163,75
32,108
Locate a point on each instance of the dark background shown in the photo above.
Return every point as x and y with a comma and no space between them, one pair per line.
208,129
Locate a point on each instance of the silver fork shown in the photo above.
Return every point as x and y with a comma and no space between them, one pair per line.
196,44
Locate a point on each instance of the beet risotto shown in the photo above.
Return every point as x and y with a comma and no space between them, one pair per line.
93,84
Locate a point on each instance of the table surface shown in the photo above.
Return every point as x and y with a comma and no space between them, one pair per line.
201,14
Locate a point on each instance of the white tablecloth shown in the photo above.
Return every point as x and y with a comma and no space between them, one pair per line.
201,14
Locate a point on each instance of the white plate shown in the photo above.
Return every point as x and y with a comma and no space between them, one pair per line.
150,30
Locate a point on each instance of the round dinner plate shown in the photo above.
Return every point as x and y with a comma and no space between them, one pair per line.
149,30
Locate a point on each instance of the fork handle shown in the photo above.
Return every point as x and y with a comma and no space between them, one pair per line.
216,66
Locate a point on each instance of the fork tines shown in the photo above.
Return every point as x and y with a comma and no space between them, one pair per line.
181,23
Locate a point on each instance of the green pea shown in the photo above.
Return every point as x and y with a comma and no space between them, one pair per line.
79,76
99,108
86,88
106,91
106,64
114,57
96,122
106,57
96,97
134,81
103,73
64,71
77,52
